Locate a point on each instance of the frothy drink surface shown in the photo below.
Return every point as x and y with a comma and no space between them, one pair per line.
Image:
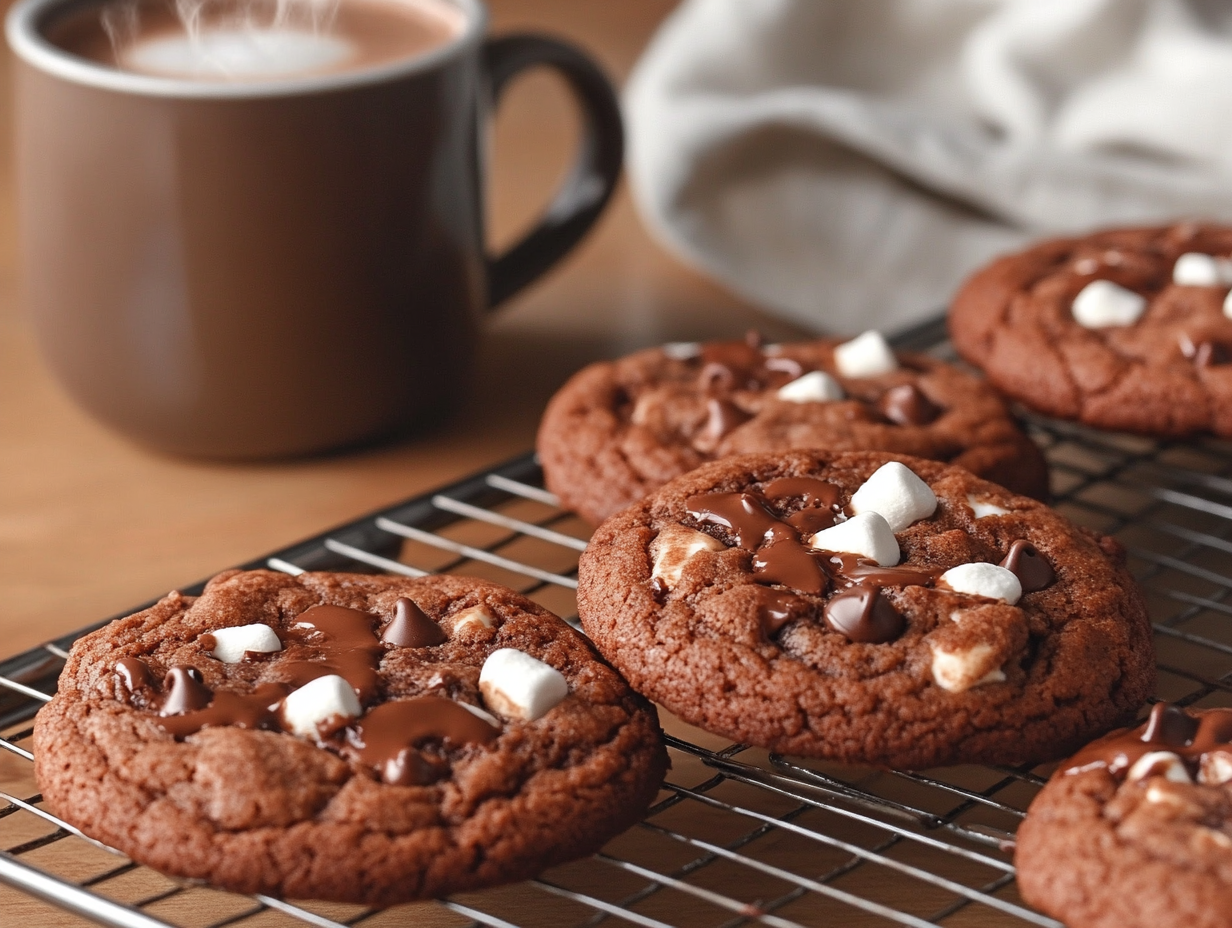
253,40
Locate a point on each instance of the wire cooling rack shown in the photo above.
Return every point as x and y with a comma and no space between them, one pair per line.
737,836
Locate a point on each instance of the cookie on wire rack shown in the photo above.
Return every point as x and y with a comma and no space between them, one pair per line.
868,608
355,738
1135,831
618,430
1127,329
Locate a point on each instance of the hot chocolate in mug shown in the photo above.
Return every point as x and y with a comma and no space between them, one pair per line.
253,231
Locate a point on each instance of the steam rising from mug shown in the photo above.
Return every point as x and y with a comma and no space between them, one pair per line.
221,39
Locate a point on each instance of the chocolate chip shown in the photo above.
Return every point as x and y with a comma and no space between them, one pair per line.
410,628
1029,566
863,614
185,691
907,405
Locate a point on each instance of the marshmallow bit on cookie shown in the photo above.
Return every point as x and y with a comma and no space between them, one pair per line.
957,670
1215,767
1227,305
983,509
673,547
865,355
867,534
1101,304
1159,764
813,387
682,351
518,686
473,619
329,699
232,644
481,714
986,580
897,494
1195,269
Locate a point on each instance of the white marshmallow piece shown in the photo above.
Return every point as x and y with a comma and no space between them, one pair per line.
813,387
867,534
682,351
1227,305
231,644
983,509
325,699
673,547
957,671
897,494
518,686
1159,763
1215,767
986,580
1194,269
1101,304
476,618
865,356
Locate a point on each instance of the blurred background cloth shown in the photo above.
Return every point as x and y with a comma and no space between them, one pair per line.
845,163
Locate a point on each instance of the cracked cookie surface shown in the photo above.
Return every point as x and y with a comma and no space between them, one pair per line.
618,430
870,608
1136,830
370,749
1164,368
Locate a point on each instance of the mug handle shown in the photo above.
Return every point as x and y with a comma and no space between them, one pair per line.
589,185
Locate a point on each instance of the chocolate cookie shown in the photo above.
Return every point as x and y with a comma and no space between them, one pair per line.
1125,329
871,608
1136,830
619,430
355,738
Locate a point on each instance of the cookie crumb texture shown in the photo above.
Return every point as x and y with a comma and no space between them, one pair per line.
1167,373
764,639
618,430
1123,842
341,815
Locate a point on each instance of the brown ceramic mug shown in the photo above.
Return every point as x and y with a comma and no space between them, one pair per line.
263,268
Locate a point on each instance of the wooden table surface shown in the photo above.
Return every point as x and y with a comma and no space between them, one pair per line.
90,525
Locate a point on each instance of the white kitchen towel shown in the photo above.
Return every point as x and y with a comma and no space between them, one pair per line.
847,162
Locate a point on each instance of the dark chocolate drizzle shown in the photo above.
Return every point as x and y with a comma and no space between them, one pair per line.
348,646
863,614
411,628
781,557
906,404
1168,728
1029,566
258,709
385,737
184,691
775,609
134,674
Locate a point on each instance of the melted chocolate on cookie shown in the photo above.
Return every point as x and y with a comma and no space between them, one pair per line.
1169,728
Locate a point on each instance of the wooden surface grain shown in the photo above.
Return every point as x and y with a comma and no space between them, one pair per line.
90,525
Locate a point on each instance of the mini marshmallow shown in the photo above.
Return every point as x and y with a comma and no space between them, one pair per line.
897,494
473,619
987,580
957,671
867,534
1215,767
1159,763
865,356
318,701
813,387
674,546
479,713
1102,303
682,351
518,686
231,644
1194,269
983,509
1227,305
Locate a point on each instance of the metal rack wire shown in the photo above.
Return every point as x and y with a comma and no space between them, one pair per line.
737,836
